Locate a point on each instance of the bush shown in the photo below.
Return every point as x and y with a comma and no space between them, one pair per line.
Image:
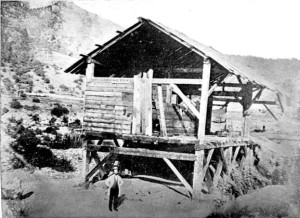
4,110
51,92
47,80
23,96
59,111
36,100
40,91
64,88
31,108
51,86
35,118
16,105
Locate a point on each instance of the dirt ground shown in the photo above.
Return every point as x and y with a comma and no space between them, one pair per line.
63,198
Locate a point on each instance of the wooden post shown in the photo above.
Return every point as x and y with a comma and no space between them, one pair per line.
89,72
85,160
209,115
198,165
204,97
162,120
136,119
148,102
246,93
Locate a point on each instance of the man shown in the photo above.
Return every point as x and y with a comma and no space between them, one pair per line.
114,182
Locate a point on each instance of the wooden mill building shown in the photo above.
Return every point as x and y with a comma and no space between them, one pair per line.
151,85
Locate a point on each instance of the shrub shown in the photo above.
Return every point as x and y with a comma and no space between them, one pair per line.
52,121
31,108
35,118
16,105
13,120
51,92
51,86
23,96
36,100
64,88
59,111
8,84
47,80
4,110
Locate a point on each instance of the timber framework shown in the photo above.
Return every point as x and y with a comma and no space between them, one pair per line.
151,85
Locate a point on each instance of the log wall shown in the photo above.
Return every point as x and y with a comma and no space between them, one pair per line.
108,105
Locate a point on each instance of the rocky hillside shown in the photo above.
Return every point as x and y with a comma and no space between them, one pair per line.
61,27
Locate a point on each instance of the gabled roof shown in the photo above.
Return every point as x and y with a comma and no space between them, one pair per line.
234,67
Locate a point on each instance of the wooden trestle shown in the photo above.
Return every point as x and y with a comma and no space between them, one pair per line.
218,155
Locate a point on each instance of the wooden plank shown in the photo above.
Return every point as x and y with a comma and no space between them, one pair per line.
153,153
112,80
185,100
110,111
269,110
198,172
110,85
235,100
112,121
162,119
106,130
177,81
148,102
105,89
209,156
116,103
217,173
109,125
179,176
107,116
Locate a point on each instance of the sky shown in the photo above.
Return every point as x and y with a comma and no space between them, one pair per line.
263,28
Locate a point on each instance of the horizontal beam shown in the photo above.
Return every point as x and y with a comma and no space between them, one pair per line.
177,81
235,100
154,153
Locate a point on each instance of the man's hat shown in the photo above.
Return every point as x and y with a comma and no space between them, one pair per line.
115,167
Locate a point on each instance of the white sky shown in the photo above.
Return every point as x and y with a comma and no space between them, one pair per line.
264,28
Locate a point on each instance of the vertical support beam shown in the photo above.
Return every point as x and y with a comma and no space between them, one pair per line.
136,119
209,115
169,94
148,102
204,97
198,174
198,165
89,72
246,92
144,112
179,176
162,120
85,160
